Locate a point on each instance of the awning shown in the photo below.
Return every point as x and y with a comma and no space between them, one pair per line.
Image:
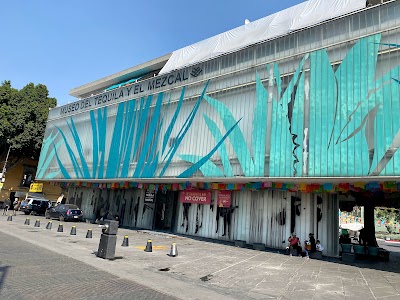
352,226
22,194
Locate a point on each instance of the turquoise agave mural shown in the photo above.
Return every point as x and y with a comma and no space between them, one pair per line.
128,134
352,128
354,124
348,129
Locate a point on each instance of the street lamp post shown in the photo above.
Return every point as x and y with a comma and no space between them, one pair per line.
5,164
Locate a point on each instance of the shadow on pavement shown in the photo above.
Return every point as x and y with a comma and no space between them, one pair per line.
393,265
3,274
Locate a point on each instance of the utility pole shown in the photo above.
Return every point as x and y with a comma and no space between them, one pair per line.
5,165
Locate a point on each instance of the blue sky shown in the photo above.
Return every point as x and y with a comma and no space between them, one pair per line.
65,44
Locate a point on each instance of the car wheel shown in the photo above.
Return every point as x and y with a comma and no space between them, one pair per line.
26,212
62,219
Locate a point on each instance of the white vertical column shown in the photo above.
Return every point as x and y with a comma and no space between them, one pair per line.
266,198
306,216
315,217
335,229
288,214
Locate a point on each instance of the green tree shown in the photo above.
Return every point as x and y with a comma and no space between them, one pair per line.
23,115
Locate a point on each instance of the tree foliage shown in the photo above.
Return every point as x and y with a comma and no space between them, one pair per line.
23,116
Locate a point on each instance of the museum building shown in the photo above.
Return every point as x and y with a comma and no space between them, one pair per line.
249,135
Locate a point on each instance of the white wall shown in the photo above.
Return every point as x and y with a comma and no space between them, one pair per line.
256,219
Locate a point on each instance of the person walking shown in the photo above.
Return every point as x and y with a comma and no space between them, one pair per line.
6,206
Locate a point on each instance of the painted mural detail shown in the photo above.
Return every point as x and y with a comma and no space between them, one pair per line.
363,115
252,164
287,124
128,134
352,130
226,214
185,212
327,119
340,110
199,218
49,155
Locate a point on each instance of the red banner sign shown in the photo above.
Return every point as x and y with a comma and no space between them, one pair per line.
195,196
224,198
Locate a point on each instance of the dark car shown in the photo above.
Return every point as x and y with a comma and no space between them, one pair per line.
65,212
37,206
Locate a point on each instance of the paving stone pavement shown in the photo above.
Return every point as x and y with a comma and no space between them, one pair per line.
29,272
203,269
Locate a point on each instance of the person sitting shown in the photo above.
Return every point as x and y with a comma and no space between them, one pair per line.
294,243
318,246
307,247
311,239
362,237
344,238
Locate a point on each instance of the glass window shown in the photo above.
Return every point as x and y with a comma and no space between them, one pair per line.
228,61
28,176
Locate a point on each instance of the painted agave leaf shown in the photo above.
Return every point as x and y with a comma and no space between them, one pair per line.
355,79
287,124
132,141
222,150
205,160
236,139
363,133
74,160
386,159
146,156
251,160
352,130
99,141
183,130
46,156
208,168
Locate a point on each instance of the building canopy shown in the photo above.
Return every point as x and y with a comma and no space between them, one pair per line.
297,17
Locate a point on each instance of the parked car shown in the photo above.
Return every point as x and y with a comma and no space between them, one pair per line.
65,212
36,206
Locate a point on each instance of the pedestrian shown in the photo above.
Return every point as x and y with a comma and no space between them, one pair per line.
6,206
15,204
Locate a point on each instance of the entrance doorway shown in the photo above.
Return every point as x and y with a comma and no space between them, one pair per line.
165,211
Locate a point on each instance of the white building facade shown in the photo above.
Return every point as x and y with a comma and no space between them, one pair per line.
251,144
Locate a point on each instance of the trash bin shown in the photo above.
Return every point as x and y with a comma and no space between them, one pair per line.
108,239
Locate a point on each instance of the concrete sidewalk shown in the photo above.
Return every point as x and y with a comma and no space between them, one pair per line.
206,270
